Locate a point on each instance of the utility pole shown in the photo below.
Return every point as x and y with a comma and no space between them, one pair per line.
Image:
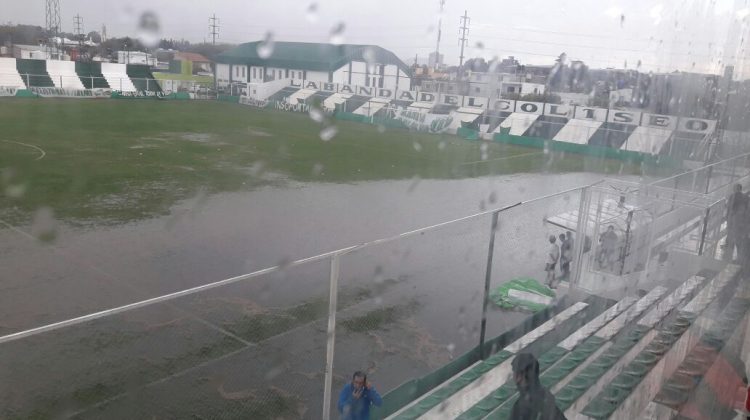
79,29
464,31
439,33
214,27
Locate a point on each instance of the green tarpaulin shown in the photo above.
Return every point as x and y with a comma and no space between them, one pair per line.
522,293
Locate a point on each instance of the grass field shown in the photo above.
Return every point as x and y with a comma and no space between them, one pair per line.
110,161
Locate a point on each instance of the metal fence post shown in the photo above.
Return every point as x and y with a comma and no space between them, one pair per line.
626,248
146,85
487,280
695,177
708,178
28,81
703,233
331,338
61,83
121,84
92,82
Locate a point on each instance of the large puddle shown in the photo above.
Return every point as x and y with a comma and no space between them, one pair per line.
406,306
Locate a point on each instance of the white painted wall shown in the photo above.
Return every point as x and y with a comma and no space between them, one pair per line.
527,88
239,73
222,74
262,91
317,76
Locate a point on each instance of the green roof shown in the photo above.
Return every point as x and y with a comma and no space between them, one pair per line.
309,56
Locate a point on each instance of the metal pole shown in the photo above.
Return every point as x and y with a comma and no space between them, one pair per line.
703,233
695,176
61,83
28,81
708,178
487,280
580,239
625,249
331,341
121,84
92,82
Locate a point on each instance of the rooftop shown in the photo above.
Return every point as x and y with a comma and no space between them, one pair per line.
309,56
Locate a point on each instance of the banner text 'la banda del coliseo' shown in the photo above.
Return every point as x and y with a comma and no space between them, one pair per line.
499,105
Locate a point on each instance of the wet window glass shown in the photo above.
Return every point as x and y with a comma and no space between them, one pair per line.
368,210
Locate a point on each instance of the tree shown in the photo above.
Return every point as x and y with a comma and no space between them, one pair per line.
94,36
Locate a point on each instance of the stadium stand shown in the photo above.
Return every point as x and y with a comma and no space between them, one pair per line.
91,75
9,76
300,96
606,368
371,107
63,74
282,94
36,71
647,140
577,131
117,77
142,78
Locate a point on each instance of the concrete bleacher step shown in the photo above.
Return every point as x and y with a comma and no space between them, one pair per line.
282,94
117,77
699,364
613,377
496,398
142,78
575,361
9,76
35,72
469,386
63,74
91,75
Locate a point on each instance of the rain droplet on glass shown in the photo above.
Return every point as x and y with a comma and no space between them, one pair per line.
148,31
328,133
337,33
316,114
311,13
265,47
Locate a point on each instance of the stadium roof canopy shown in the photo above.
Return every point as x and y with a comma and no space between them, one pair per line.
309,56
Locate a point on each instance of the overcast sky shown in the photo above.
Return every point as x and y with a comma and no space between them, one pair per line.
664,36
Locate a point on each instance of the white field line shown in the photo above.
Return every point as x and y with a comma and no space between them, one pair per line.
39,149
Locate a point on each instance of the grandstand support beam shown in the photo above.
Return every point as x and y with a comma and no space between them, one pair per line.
331,337
487,280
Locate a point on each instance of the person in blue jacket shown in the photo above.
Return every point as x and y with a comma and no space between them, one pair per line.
357,397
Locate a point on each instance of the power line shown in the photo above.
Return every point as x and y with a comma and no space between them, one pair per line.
464,30
214,27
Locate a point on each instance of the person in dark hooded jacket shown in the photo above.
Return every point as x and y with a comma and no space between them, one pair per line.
534,401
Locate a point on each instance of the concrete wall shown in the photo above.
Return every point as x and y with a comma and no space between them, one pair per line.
222,74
